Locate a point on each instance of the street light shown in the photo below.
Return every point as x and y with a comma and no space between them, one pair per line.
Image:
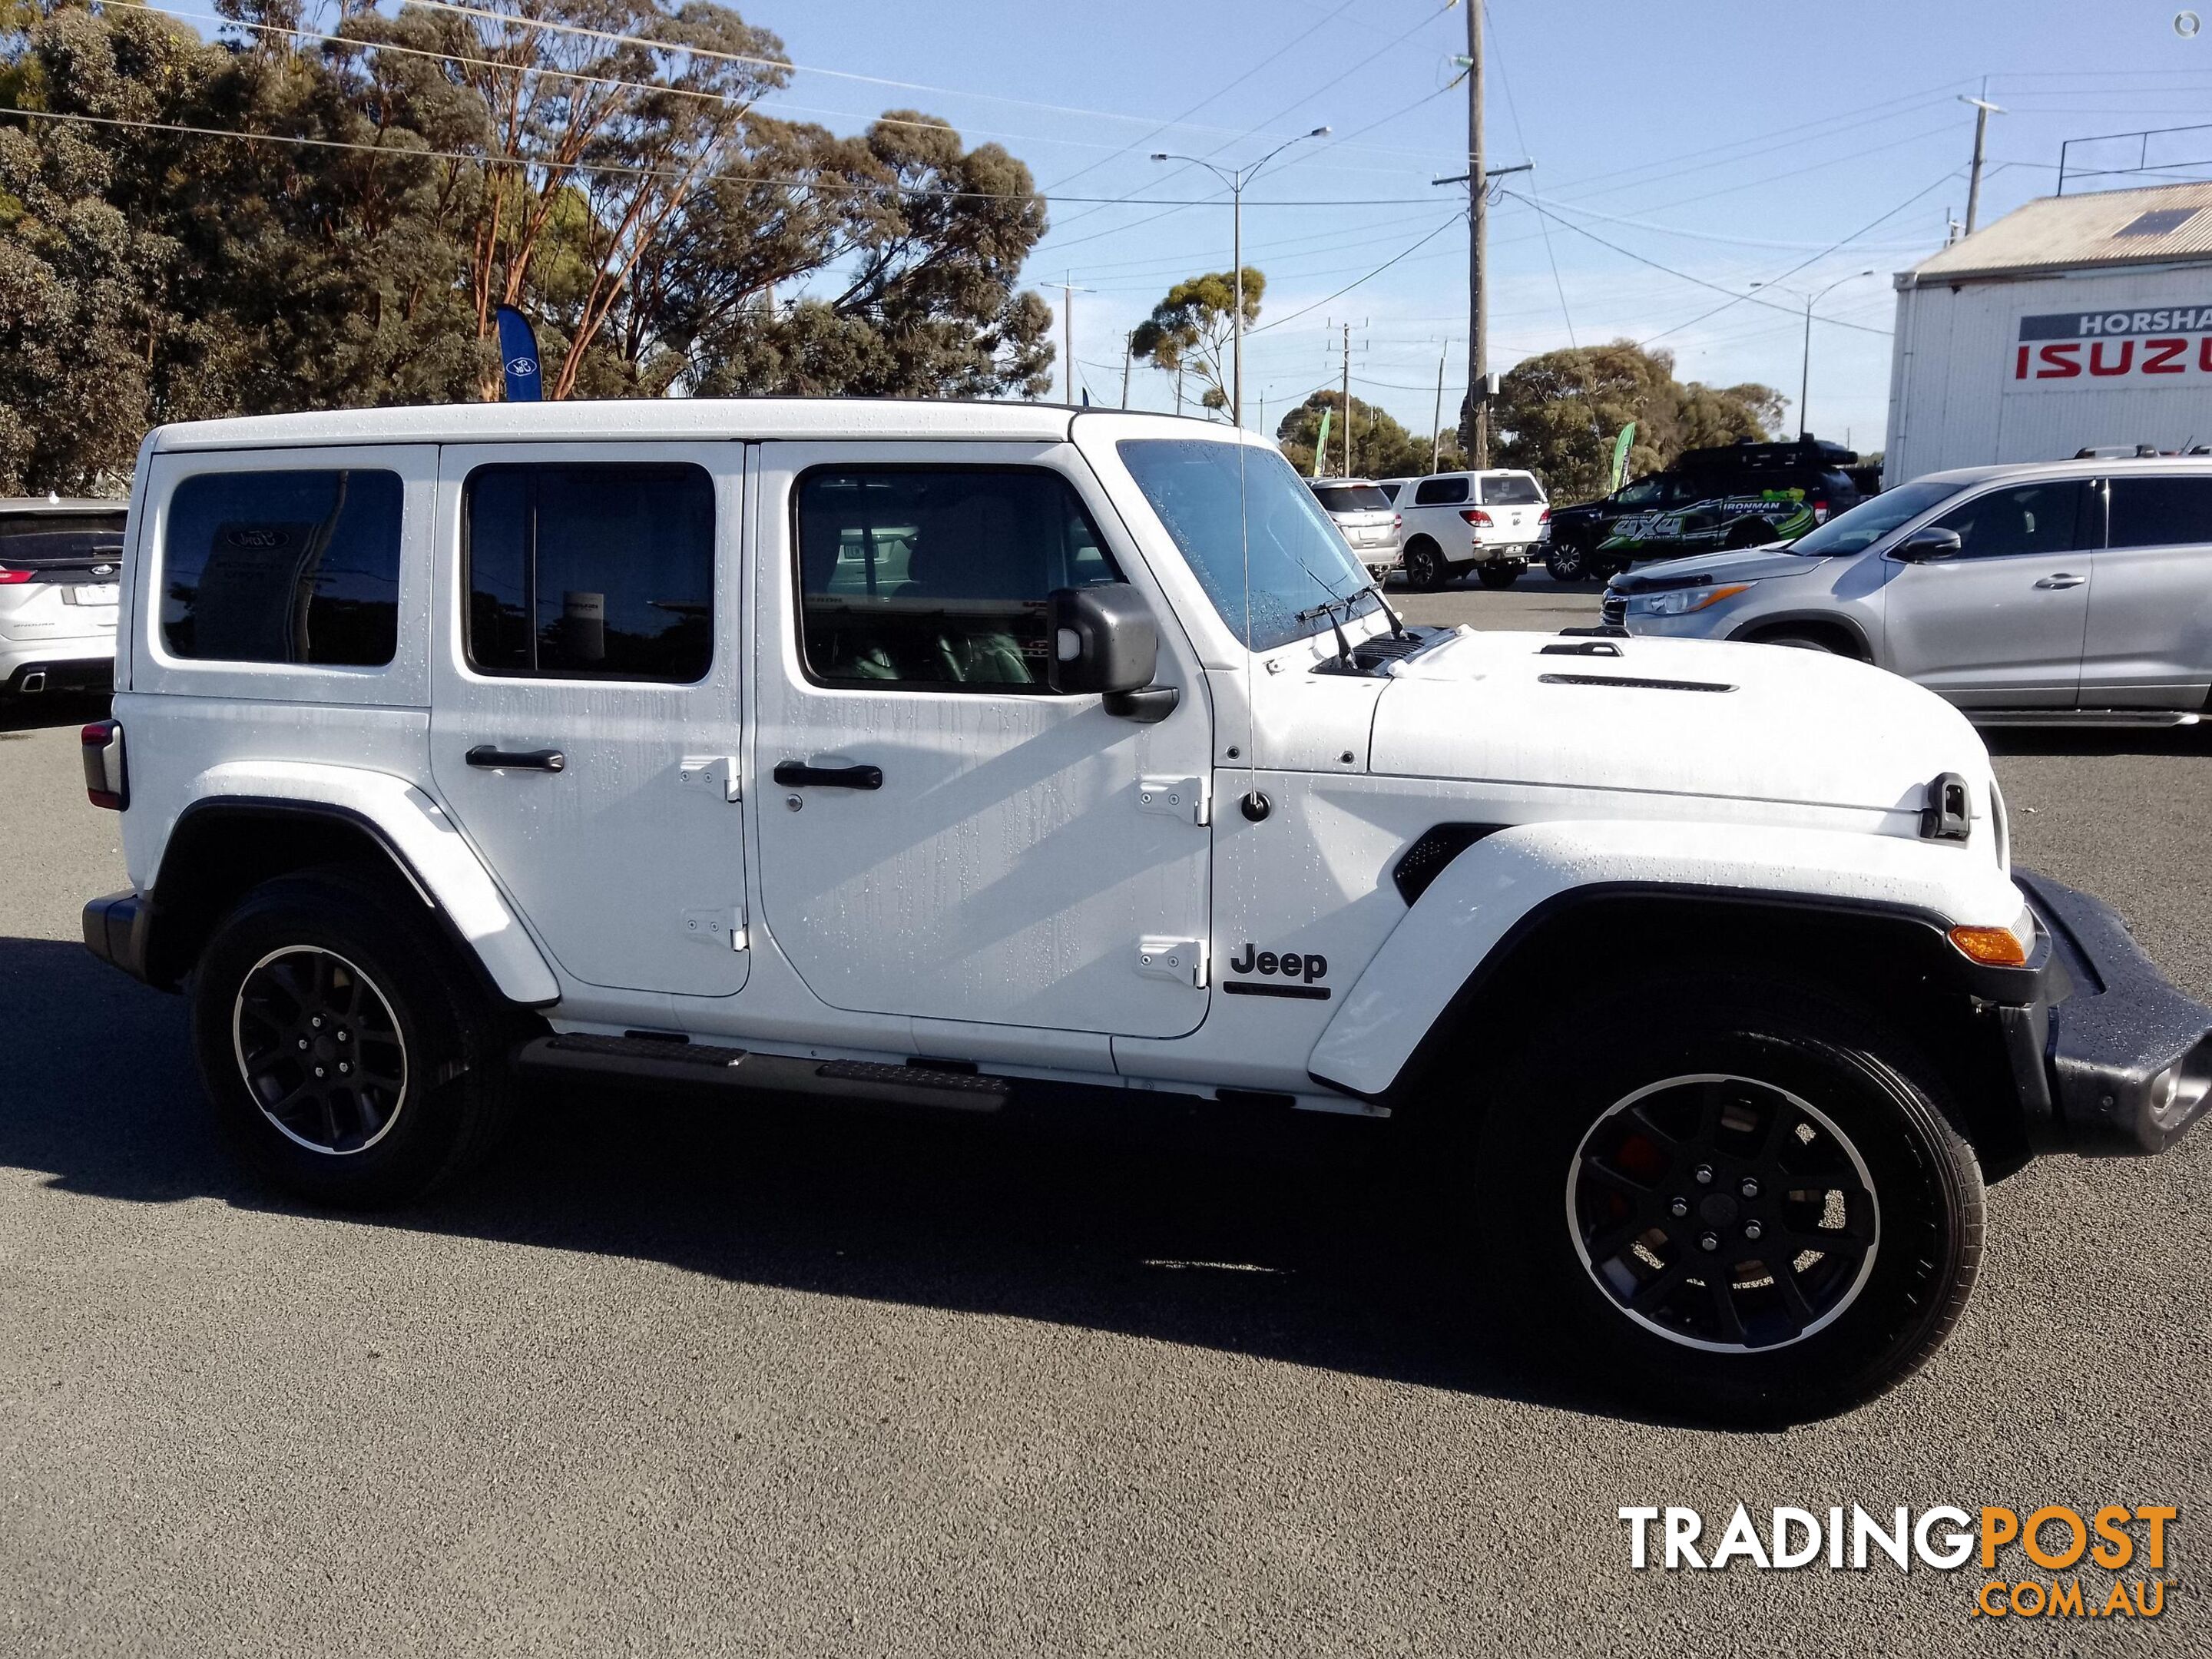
1805,380
1237,179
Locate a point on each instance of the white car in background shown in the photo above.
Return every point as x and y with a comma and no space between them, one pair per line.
1490,522
58,559
1363,512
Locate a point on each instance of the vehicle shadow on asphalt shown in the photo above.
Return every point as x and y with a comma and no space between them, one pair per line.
2177,740
1270,1253
61,708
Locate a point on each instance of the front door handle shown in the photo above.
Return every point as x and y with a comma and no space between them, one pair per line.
517,760
2061,579
795,775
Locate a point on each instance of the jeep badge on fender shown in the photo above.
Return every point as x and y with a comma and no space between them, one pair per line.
1694,1014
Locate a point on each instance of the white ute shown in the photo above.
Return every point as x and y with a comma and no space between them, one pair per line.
1016,758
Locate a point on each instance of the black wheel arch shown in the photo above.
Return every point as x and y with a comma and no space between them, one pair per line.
1895,961
1843,630
223,847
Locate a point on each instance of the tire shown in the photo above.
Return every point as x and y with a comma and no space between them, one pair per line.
330,959
1800,642
1499,577
1586,1144
1567,562
1426,570
1749,532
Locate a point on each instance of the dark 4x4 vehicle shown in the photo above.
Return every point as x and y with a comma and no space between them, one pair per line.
1735,495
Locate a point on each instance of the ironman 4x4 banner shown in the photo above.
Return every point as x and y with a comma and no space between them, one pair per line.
1711,523
2071,350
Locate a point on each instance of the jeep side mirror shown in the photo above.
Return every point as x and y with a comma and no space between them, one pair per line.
1103,639
1928,543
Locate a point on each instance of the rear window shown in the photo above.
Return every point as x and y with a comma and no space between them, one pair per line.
295,567
1510,490
31,540
1352,498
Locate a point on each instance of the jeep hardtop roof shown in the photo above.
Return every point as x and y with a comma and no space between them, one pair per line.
668,419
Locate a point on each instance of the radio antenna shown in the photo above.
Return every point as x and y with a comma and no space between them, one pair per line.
1256,805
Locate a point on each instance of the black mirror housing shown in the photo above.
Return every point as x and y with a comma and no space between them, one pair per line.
1103,639
1926,543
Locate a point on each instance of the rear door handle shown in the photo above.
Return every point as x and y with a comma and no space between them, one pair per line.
2061,579
517,760
799,774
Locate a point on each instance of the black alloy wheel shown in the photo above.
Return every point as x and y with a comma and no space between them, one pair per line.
1425,566
1723,1212
319,1050
1567,562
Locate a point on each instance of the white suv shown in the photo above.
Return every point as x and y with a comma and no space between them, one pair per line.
59,557
1491,523
1001,757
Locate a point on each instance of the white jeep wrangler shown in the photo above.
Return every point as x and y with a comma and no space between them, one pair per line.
991,756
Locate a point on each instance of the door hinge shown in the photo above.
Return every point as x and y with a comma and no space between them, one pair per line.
1182,960
1179,798
716,774
719,928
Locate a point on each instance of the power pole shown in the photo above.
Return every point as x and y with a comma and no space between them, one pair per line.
1347,400
1178,388
1477,193
1128,342
1983,110
1067,330
1437,420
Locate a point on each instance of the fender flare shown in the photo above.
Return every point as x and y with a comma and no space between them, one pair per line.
1482,899
425,846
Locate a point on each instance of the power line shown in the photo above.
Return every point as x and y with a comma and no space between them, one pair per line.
1348,287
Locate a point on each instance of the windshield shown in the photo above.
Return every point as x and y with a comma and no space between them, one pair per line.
1856,530
1352,498
1298,559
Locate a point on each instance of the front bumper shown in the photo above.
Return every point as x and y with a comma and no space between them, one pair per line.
2110,1060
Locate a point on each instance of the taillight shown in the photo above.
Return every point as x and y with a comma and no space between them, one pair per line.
1544,517
1820,512
1476,516
9,578
1397,521
106,780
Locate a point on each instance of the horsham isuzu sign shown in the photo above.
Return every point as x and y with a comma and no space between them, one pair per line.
2076,350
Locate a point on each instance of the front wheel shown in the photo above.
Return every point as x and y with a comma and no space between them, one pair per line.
1426,570
1567,562
347,1053
1499,577
1748,1205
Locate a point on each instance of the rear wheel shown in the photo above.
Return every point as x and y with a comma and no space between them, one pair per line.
1567,562
1748,1204
1749,532
345,1052
1499,577
1426,569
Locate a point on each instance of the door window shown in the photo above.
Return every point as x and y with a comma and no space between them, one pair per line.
2038,518
1644,492
1439,492
2160,511
935,578
293,567
591,570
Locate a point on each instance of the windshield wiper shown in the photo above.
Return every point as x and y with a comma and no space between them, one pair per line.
1344,602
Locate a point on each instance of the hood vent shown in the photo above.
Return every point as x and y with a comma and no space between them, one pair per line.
1633,684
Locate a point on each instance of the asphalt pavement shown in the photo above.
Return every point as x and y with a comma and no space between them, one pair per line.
663,1381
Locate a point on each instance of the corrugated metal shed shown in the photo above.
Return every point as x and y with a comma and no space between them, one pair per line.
2158,226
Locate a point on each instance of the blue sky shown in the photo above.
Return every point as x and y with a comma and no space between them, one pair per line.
1732,142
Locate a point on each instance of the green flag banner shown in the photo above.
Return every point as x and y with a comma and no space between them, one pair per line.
1321,444
1620,457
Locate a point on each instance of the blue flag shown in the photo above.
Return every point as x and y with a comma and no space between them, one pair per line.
518,351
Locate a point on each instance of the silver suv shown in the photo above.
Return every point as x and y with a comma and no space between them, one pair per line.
2070,591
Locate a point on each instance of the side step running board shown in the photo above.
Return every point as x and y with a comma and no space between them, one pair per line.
2094,717
645,1061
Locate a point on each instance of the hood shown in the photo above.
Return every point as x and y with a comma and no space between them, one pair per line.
1709,570
1676,717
